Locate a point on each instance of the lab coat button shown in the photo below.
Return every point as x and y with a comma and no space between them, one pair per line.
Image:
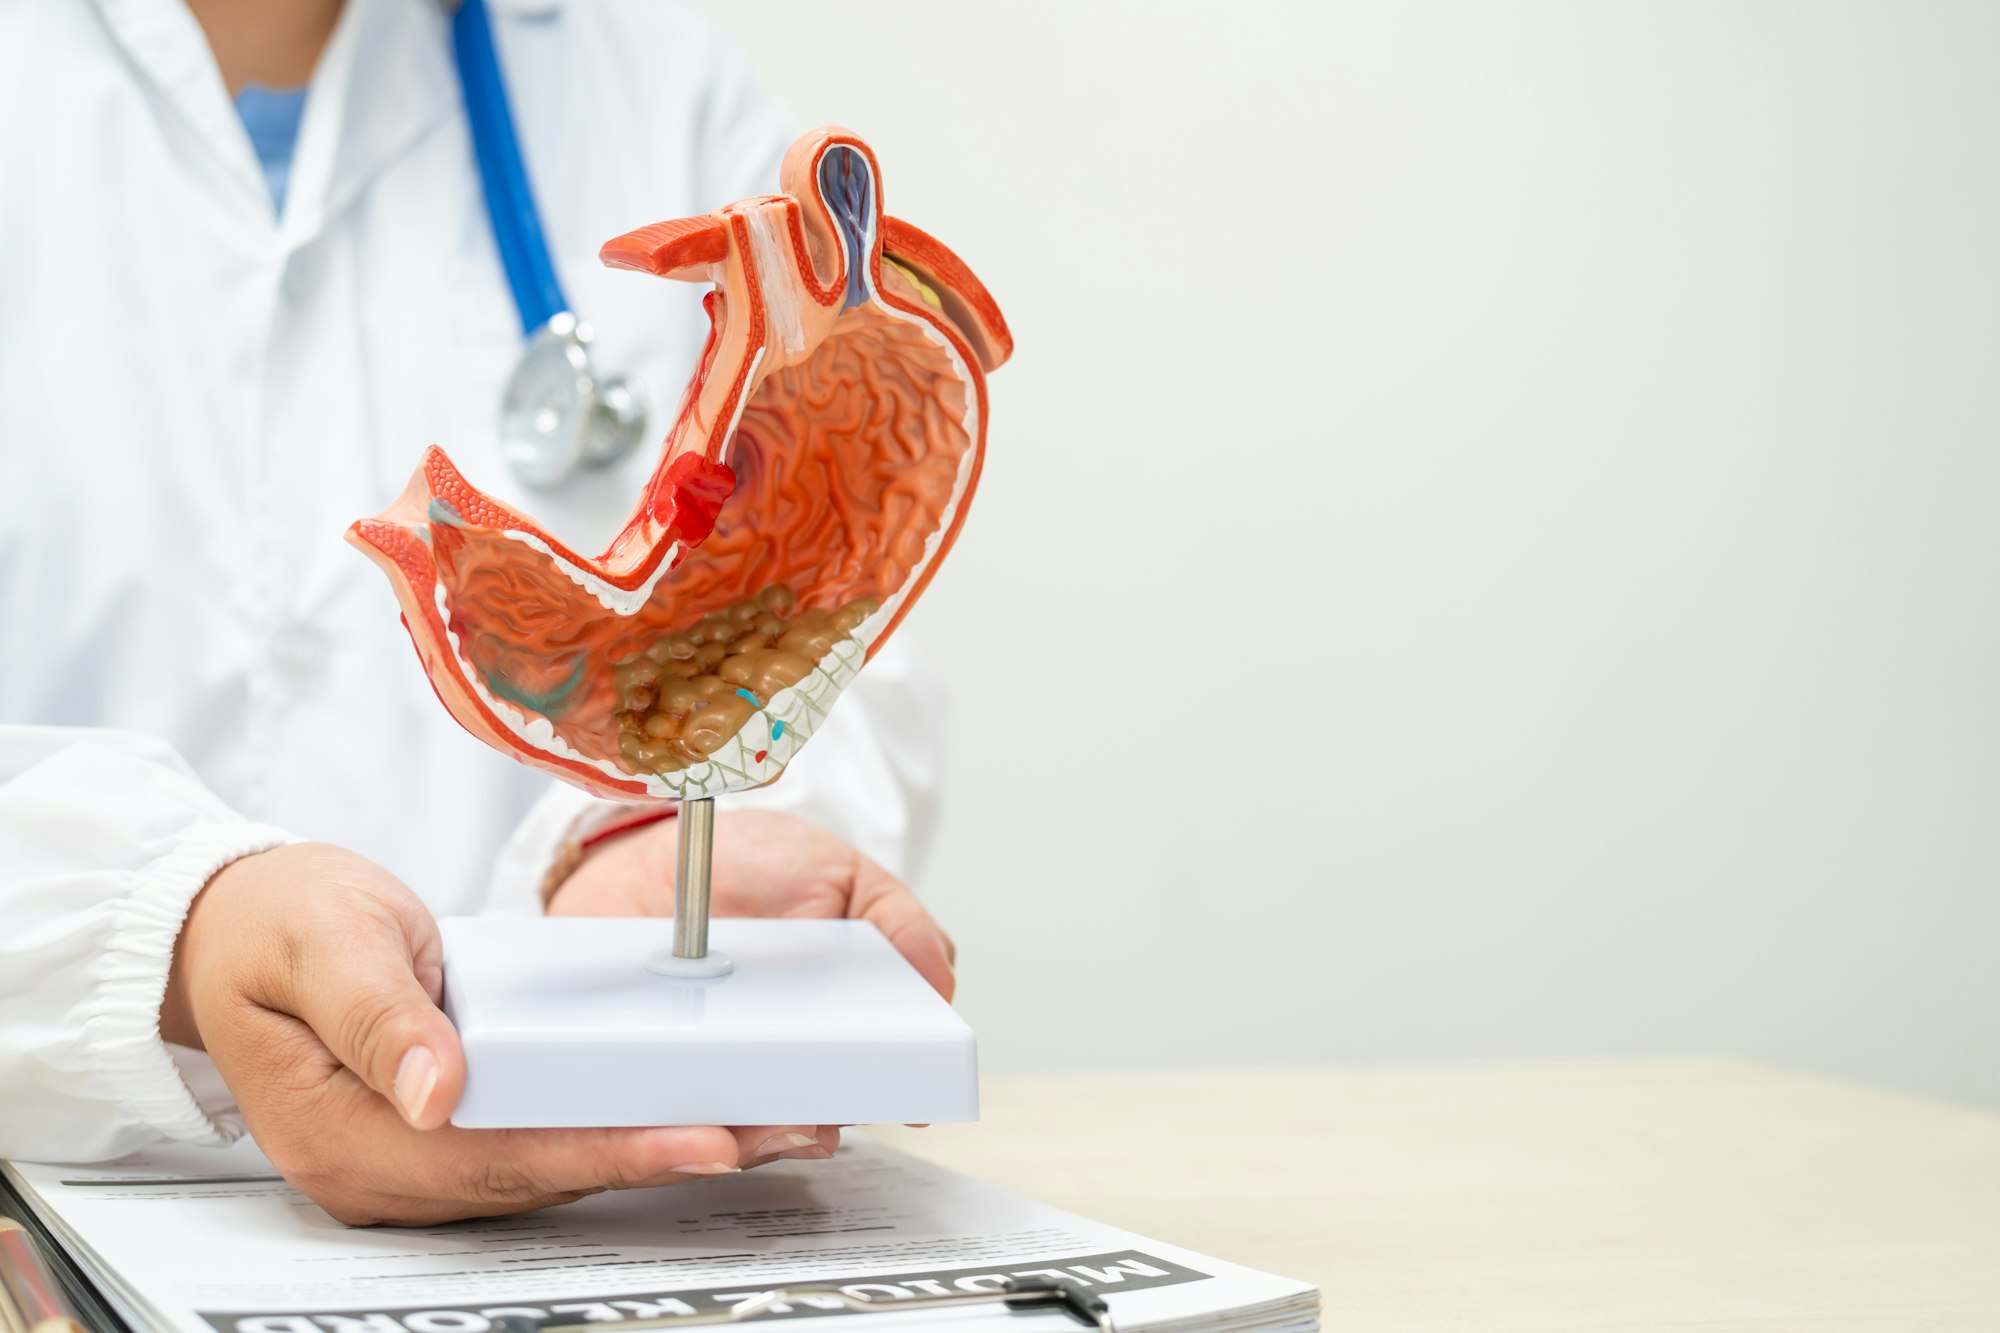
299,650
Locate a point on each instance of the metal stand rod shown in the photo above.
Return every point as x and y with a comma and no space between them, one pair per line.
697,853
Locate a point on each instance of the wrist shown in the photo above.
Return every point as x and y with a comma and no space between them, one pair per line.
177,1025
178,1022
577,851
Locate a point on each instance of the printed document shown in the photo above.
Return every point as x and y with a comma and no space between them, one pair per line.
200,1240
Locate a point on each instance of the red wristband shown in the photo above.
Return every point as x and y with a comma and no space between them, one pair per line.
626,826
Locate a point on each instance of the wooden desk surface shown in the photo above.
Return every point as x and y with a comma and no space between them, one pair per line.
1721,1197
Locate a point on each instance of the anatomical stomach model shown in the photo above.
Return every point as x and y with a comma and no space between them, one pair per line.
823,459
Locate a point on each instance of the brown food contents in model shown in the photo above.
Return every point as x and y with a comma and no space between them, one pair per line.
678,702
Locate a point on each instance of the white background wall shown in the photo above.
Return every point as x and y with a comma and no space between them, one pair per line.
1489,541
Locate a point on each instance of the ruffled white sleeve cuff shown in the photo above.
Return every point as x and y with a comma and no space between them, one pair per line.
121,1019
105,838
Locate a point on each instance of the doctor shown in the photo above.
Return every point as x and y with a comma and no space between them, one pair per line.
231,316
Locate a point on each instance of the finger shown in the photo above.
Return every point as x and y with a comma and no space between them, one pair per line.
824,1144
353,977
533,1162
499,1166
362,1163
768,1141
883,899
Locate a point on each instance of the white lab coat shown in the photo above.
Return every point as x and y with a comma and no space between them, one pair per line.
197,398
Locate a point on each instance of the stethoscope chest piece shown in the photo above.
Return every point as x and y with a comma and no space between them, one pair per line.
557,416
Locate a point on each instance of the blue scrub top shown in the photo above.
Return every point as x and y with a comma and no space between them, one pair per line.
272,117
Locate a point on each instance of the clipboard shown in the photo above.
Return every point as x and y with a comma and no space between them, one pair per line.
1089,1310
871,1233
71,1284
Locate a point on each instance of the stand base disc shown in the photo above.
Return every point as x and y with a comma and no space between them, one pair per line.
817,1023
667,963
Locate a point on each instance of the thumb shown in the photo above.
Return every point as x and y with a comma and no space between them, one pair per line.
369,991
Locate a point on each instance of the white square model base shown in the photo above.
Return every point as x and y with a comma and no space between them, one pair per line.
817,1023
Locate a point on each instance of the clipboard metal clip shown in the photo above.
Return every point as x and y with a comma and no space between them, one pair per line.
1090,1310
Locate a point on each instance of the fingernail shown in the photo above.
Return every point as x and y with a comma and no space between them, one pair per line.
704,1169
812,1154
777,1143
416,1077
944,952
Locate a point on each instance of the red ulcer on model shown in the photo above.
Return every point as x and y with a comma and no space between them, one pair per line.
683,698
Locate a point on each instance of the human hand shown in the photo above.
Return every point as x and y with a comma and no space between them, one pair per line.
312,976
766,864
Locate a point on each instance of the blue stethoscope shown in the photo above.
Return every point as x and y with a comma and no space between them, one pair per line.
557,416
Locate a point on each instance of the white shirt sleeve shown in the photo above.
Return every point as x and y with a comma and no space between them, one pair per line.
870,774
105,838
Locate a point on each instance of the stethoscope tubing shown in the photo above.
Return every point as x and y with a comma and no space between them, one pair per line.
517,225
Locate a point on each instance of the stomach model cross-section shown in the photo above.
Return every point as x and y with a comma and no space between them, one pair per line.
822,462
